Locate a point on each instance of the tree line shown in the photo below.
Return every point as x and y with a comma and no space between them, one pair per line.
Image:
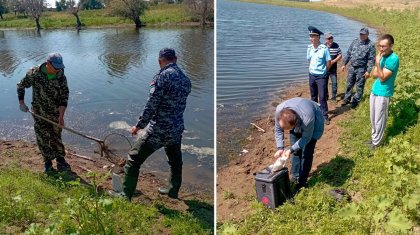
130,9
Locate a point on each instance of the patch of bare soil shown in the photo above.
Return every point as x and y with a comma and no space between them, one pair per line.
235,181
27,155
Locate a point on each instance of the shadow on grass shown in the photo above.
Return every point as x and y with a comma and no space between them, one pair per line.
202,211
67,177
334,173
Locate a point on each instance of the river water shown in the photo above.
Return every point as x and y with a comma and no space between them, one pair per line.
108,72
261,51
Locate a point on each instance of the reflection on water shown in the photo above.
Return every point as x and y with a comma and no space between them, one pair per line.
261,50
108,72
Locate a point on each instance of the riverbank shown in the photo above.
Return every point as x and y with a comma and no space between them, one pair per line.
383,184
192,213
235,181
160,15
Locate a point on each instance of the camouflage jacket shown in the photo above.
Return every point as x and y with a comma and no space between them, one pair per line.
360,54
165,107
47,95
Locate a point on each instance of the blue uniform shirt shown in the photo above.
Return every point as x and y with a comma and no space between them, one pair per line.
163,115
318,59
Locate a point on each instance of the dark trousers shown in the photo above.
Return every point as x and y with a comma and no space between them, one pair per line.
355,75
302,159
48,138
140,152
333,77
318,87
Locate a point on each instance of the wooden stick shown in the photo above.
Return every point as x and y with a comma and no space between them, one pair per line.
81,156
84,168
259,128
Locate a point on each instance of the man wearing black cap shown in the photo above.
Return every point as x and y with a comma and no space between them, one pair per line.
361,59
319,59
163,122
50,94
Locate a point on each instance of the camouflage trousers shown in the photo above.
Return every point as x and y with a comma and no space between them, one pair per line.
48,138
355,76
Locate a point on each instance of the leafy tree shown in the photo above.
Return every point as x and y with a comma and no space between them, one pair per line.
3,8
17,6
61,5
74,10
131,9
91,4
34,8
203,9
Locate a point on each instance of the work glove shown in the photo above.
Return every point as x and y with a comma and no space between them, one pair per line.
23,108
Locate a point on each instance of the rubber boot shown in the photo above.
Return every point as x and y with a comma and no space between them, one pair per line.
174,186
129,186
62,165
48,167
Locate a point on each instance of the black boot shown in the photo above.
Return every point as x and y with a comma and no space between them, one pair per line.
174,185
48,167
62,165
129,186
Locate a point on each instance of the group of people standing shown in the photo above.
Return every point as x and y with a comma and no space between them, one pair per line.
305,119
162,118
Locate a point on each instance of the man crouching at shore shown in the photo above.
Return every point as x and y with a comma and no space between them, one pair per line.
305,121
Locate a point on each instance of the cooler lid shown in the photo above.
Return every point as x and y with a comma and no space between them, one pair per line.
269,177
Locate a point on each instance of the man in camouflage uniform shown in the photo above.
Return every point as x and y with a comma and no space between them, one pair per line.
361,55
50,94
163,121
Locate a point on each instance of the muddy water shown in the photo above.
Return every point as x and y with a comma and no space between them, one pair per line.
261,51
108,73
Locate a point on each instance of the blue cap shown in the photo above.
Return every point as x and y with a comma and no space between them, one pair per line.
167,53
56,60
364,31
313,30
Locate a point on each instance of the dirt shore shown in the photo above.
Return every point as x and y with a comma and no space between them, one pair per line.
27,155
235,181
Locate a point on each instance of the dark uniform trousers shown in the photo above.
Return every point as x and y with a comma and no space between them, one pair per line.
141,150
302,160
318,85
355,76
48,138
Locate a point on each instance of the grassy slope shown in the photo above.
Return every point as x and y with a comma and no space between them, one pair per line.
385,184
160,14
34,203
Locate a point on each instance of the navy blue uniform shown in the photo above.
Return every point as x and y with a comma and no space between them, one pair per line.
361,59
163,122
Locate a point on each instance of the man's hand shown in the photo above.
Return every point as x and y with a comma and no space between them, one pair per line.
287,153
23,107
378,58
366,75
278,153
134,130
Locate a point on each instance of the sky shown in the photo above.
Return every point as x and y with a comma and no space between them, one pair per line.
52,3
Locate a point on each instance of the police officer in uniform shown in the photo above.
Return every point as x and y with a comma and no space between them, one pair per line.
163,121
50,95
361,58
319,60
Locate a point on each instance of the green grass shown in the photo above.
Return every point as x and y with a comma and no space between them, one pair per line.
34,203
155,15
385,183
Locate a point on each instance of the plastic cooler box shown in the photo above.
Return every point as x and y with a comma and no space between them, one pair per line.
273,188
